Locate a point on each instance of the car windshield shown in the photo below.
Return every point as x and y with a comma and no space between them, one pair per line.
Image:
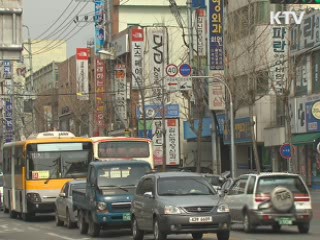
213,180
184,186
121,176
268,183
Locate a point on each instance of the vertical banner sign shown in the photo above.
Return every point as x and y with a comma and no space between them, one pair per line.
99,23
216,96
280,49
201,32
157,43
120,91
216,35
100,89
172,140
5,69
82,73
137,46
9,131
47,112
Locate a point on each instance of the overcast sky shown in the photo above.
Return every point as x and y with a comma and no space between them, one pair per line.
44,21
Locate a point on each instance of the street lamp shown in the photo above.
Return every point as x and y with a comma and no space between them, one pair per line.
218,78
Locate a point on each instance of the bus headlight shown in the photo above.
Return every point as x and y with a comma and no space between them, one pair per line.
101,206
34,197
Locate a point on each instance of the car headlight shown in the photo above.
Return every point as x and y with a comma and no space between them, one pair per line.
172,210
101,206
223,208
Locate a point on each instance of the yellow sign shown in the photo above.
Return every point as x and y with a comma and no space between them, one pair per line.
40,174
316,110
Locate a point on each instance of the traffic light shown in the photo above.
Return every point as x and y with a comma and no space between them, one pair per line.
295,1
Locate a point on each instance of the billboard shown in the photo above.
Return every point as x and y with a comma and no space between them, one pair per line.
99,23
137,47
82,73
100,91
120,91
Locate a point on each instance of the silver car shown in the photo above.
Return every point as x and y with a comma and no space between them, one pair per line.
64,210
274,199
178,202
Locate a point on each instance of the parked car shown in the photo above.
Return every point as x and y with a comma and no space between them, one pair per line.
178,202
64,204
274,199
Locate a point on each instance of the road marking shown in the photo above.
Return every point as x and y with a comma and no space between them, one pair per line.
66,238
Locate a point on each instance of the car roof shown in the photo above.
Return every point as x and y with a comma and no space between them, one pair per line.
119,163
270,174
73,182
175,174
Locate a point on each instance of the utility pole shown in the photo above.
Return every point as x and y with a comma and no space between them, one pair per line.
31,78
190,33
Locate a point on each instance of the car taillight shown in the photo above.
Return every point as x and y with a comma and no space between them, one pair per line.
262,197
301,197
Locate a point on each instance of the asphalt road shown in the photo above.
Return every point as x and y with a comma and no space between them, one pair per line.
43,228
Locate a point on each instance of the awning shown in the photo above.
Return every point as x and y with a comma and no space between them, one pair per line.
305,138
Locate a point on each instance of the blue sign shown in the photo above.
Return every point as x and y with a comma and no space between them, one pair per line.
99,22
7,72
185,70
285,151
155,111
313,124
216,35
8,121
191,135
199,3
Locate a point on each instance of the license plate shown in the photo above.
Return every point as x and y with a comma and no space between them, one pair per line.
126,217
285,221
200,219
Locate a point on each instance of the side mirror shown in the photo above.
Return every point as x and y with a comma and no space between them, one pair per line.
63,195
148,194
225,191
219,188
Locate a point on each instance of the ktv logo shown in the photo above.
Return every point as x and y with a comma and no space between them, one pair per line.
286,17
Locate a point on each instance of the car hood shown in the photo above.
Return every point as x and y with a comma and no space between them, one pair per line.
190,200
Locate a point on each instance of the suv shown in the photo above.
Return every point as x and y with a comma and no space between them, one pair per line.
178,202
274,199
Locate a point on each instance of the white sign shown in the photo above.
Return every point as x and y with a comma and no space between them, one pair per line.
185,83
172,70
137,48
172,142
201,32
120,91
276,17
216,96
157,59
157,136
82,73
172,84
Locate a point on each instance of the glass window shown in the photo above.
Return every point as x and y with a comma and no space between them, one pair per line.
124,175
251,183
58,160
146,186
238,187
184,186
268,183
77,186
123,149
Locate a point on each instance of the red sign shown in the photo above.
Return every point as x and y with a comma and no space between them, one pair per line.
83,53
137,35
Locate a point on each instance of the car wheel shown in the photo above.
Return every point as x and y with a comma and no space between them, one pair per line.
158,235
83,225
276,227
136,232
58,221
303,227
94,228
69,223
26,216
247,225
197,236
224,235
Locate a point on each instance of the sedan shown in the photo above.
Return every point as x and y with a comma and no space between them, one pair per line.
178,203
64,213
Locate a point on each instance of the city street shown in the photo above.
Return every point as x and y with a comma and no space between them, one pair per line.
43,228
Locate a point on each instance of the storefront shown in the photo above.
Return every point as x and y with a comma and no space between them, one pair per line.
307,158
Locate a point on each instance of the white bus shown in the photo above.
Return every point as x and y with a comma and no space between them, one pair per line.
112,148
